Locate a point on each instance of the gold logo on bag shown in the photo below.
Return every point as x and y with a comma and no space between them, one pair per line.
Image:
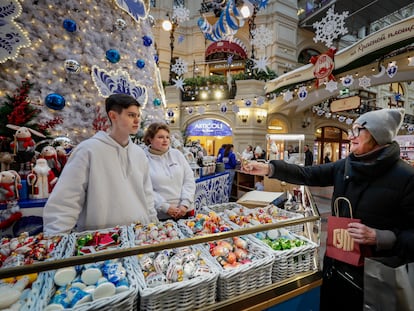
342,240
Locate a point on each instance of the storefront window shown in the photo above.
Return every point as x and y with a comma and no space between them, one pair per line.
331,143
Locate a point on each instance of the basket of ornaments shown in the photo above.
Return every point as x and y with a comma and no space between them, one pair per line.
172,279
243,263
293,253
107,285
245,217
22,292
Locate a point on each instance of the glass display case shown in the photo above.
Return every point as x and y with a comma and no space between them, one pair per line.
288,147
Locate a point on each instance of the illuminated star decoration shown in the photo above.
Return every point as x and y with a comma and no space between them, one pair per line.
288,96
331,86
261,64
364,82
12,37
179,83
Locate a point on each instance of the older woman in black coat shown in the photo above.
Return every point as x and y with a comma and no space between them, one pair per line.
380,187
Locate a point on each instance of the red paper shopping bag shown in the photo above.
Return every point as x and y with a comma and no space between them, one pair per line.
339,244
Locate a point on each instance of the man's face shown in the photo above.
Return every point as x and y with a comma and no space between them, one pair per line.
128,121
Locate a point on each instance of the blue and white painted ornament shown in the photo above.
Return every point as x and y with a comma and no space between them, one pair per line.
170,113
69,25
72,66
302,93
223,108
140,63
392,69
55,101
347,81
190,110
113,56
248,103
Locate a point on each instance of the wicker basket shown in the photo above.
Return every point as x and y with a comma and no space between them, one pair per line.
126,300
34,294
221,208
293,261
244,278
185,295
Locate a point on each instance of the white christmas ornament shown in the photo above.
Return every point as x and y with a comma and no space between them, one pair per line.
262,37
364,82
179,83
288,96
330,27
180,67
261,64
331,86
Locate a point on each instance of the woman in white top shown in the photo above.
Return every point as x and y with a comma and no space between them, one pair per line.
171,175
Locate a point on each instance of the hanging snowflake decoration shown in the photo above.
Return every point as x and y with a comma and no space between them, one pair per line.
180,67
179,83
288,96
260,101
181,14
347,81
364,82
262,37
331,86
392,69
349,121
201,110
302,93
261,64
236,109
330,27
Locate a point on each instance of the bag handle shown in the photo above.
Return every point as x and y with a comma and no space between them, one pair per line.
336,208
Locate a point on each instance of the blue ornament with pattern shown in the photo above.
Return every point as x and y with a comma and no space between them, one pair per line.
69,25
55,101
113,56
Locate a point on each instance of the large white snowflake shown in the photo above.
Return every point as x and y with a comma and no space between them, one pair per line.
331,86
262,37
330,27
181,14
364,82
261,64
287,96
180,67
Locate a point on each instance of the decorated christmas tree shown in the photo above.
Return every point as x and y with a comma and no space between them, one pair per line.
75,54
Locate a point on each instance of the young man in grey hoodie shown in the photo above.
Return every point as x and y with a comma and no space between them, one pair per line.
102,185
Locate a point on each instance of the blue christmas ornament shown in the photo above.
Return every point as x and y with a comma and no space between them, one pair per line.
247,102
157,102
156,58
140,63
55,101
113,56
147,40
170,113
69,25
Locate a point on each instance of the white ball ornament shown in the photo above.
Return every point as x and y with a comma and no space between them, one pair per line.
72,66
120,24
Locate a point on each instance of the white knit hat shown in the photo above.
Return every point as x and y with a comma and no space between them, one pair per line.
383,124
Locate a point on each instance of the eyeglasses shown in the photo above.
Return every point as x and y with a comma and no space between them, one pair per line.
354,132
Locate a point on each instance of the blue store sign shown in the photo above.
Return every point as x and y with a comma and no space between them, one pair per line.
208,127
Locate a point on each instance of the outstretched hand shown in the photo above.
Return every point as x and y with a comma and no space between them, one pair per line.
255,168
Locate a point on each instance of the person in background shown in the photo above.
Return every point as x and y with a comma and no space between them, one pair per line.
230,163
308,156
380,187
101,185
327,158
220,153
247,153
171,175
258,153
